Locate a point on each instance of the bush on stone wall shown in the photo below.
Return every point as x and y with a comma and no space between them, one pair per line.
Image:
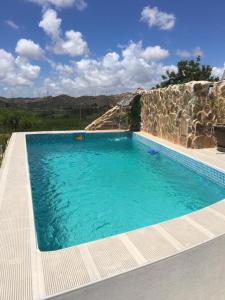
135,114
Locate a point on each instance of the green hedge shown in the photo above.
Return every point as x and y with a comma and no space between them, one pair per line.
3,140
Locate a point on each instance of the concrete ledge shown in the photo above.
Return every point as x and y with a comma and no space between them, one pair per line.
197,273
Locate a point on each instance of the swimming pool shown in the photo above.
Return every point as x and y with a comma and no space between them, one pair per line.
107,184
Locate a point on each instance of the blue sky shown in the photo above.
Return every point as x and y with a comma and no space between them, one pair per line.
102,47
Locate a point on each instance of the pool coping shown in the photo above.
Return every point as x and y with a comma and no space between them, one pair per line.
51,274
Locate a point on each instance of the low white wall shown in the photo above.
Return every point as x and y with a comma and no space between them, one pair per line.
195,274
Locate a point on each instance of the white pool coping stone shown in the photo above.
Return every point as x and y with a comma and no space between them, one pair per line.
79,272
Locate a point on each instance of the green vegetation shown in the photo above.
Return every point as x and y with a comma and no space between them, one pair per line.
188,70
4,139
17,120
135,114
3,142
60,112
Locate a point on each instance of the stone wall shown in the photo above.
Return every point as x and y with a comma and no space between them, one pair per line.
184,114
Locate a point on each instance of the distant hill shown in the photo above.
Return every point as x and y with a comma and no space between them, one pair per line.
63,102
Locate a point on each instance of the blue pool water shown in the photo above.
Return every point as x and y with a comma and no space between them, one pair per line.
85,190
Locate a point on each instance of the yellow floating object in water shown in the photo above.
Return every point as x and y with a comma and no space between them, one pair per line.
79,138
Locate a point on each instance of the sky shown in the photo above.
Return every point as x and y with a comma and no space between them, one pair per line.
92,47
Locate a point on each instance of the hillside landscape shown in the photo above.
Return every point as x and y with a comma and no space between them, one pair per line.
64,102
61,112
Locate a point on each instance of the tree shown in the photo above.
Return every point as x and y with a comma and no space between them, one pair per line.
188,70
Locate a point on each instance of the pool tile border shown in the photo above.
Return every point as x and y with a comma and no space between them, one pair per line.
212,173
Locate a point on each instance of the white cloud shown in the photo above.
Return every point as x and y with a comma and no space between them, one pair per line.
183,53
12,24
113,73
136,50
80,4
190,53
132,67
27,48
72,43
154,17
197,52
16,71
155,53
219,72
50,23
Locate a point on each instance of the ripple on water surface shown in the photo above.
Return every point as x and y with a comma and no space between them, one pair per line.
104,185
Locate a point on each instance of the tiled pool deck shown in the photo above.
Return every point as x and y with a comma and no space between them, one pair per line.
139,259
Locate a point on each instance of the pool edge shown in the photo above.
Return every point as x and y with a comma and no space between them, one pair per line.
44,284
